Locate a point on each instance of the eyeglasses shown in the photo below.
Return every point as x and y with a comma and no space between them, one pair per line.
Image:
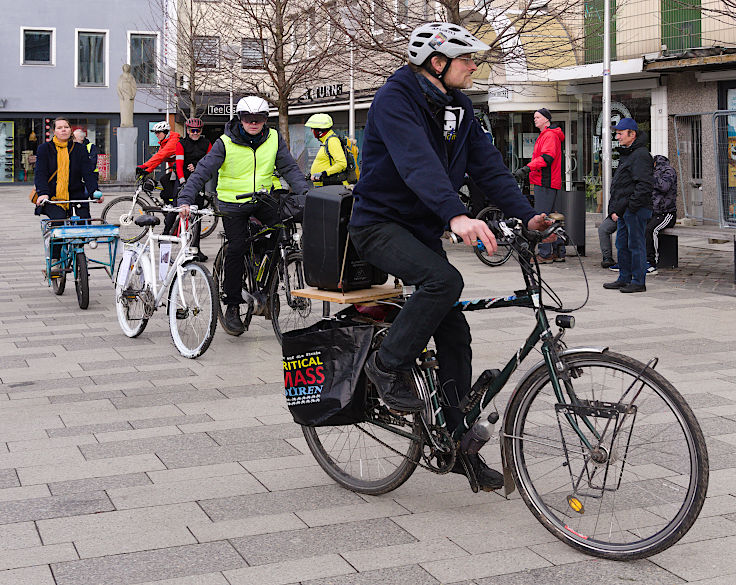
253,118
194,130
467,60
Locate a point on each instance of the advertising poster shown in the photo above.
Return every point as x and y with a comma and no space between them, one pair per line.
731,105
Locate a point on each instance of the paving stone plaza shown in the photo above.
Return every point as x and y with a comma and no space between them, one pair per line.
123,463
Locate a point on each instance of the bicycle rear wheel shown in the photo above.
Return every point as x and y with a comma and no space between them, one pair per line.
289,312
129,304
641,486
193,313
123,211
502,253
81,281
367,458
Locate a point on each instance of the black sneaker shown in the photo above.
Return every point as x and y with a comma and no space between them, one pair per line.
488,479
616,284
392,387
633,288
233,323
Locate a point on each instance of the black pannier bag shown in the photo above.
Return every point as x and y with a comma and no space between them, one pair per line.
324,384
325,238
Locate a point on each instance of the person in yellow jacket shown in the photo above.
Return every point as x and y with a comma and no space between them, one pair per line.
330,165
244,159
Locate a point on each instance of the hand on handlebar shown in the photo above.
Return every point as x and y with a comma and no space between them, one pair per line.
184,213
97,195
472,230
41,199
540,223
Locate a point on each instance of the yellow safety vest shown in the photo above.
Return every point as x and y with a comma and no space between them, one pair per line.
89,151
246,170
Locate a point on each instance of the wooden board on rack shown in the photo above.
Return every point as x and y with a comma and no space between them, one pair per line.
363,295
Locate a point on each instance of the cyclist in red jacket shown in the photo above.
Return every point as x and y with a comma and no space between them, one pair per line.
167,142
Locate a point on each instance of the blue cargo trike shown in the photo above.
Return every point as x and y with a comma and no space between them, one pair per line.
71,235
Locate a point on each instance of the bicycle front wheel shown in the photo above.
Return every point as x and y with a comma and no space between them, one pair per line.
81,281
58,283
638,487
123,211
502,253
192,310
367,458
287,311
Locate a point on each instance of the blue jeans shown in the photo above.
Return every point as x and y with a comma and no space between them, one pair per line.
545,201
429,312
631,246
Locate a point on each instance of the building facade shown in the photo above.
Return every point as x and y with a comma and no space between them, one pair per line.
65,60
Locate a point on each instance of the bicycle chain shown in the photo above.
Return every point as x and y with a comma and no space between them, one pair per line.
443,432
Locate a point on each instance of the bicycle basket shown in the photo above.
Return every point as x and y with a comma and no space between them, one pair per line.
324,383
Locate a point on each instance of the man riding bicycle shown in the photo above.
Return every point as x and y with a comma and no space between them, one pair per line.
189,152
245,158
420,139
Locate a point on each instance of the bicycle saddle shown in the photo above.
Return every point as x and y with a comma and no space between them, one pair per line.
147,220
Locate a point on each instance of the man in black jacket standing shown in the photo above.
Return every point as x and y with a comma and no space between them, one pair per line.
631,206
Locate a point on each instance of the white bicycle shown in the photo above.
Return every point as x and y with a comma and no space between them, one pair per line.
143,285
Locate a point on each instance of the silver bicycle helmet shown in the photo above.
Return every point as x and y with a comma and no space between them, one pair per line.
161,127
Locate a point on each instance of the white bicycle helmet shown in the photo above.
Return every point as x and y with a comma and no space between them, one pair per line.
252,104
445,38
161,127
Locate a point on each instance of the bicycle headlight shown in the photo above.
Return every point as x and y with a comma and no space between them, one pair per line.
297,237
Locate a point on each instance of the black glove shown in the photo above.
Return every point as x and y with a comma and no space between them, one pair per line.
520,174
322,176
140,171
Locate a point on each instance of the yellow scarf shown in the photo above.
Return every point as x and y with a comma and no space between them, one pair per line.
62,166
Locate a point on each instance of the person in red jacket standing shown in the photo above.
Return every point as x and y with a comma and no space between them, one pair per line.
167,142
544,173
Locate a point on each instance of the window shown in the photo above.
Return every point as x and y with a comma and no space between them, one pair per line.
142,55
206,51
92,58
696,152
37,46
402,11
253,54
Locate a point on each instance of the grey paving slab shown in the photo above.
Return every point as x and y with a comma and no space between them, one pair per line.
151,445
409,575
170,420
139,567
256,434
273,548
20,535
90,469
311,498
290,571
8,478
98,484
88,429
54,507
166,398
37,555
40,575
591,572
239,452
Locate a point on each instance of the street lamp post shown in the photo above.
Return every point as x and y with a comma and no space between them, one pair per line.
606,113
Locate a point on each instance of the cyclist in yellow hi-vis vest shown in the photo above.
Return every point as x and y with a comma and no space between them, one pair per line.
244,158
330,165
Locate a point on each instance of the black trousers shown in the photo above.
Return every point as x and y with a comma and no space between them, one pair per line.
235,221
168,194
656,224
428,313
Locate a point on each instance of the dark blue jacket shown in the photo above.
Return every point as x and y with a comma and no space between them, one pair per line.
664,194
80,171
631,186
406,176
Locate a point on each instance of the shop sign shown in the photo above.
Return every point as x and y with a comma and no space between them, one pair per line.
220,110
3,102
323,91
618,111
499,94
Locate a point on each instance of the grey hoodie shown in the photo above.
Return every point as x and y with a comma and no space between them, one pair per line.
211,163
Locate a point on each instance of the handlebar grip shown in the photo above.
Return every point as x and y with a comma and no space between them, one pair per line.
152,209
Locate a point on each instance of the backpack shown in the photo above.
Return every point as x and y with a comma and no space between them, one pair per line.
350,148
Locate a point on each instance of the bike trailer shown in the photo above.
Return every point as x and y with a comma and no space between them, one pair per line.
324,383
330,259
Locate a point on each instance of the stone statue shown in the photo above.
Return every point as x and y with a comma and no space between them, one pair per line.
127,89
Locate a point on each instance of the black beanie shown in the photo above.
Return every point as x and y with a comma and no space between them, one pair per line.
546,113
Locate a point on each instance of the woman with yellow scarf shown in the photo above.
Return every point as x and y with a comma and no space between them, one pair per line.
63,169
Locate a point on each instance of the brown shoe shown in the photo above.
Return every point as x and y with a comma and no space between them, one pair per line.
547,260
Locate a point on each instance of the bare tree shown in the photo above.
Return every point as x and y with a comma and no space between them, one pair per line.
276,48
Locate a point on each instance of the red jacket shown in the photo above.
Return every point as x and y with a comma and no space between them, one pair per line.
546,160
166,153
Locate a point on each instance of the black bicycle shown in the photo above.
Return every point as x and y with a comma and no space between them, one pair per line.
271,272
605,452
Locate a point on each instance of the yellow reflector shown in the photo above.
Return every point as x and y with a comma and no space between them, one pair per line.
575,504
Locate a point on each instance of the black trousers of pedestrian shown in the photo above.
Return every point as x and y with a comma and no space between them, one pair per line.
235,221
656,224
428,313
168,194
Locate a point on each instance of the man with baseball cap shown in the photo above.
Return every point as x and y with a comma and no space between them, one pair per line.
630,206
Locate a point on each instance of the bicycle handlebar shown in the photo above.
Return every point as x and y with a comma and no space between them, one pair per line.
253,194
512,227
193,209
